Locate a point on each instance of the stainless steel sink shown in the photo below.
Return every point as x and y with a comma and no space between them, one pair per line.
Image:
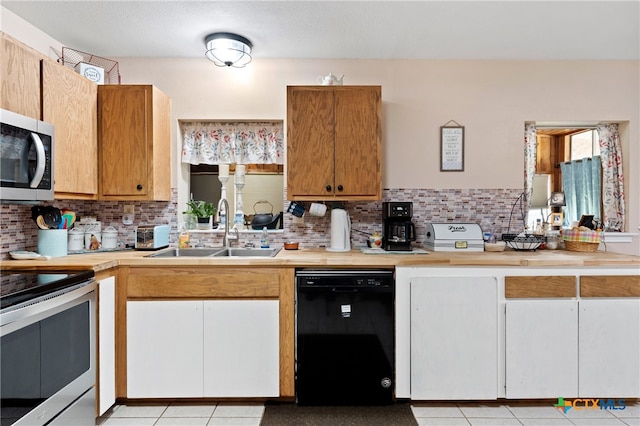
247,252
217,252
186,252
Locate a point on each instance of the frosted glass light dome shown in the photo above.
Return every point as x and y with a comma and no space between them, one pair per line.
228,50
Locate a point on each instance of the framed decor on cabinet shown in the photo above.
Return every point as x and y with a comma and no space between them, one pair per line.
556,219
451,148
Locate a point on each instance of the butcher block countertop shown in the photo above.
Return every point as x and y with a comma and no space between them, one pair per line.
320,258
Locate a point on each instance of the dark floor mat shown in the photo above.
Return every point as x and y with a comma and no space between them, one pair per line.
292,414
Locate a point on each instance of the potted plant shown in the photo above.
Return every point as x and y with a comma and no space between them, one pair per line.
203,211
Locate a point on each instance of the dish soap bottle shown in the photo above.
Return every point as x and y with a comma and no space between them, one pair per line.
264,241
185,239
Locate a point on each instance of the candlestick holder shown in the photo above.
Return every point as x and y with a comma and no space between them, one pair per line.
238,220
223,196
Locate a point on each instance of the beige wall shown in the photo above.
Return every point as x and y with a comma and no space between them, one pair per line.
492,99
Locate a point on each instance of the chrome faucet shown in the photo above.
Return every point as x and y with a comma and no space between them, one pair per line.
226,240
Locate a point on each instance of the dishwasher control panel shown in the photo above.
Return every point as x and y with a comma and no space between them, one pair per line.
345,278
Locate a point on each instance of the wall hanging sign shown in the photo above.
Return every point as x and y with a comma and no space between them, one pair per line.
451,147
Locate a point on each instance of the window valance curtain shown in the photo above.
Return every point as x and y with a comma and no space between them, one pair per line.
232,143
612,180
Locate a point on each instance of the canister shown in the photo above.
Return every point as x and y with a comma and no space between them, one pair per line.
75,240
109,238
92,238
52,242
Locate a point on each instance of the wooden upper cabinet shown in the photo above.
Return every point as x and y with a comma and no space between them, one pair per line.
135,143
69,102
20,78
334,143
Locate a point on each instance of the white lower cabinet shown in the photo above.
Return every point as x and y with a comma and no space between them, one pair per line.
221,348
609,348
541,348
164,349
454,338
106,344
241,348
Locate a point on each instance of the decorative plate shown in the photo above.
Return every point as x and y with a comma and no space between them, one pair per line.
22,255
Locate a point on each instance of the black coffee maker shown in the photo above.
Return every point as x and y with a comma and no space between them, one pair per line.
399,230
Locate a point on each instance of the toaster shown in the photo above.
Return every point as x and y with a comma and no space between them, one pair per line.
152,237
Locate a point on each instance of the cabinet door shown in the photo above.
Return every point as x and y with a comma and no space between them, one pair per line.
20,78
358,147
125,140
334,146
241,348
454,338
609,348
135,143
541,348
106,344
69,102
164,349
310,139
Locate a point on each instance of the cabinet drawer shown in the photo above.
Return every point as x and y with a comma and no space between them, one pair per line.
610,286
146,283
540,287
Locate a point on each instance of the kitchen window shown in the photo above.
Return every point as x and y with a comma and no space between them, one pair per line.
593,149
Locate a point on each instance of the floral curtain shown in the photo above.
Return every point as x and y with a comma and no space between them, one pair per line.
232,143
581,187
612,180
530,153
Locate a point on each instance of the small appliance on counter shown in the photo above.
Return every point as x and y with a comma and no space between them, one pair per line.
399,230
340,231
152,237
454,236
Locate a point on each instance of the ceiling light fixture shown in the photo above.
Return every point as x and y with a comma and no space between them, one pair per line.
228,49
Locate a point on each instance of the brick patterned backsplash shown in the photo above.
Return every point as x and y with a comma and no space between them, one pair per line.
483,206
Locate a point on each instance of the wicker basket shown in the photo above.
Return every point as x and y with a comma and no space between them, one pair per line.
581,246
579,240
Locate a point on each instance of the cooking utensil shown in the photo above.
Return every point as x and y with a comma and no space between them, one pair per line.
41,223
52,217
68,218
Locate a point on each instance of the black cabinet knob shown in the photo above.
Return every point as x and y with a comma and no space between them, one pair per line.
139,187
340,188
328,188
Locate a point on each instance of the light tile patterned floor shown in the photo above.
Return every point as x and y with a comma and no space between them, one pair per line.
427,414
246,414
521,414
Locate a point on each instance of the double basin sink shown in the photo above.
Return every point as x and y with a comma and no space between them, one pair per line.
217,252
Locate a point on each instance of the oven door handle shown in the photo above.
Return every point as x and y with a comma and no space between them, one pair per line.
41,161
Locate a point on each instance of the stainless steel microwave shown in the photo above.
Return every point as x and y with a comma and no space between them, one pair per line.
26,158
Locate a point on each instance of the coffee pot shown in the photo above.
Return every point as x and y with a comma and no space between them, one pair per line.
399,230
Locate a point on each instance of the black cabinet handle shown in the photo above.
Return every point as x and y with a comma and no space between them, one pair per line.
328,188
340,188
139,187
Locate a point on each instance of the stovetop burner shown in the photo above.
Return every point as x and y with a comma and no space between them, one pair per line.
20,286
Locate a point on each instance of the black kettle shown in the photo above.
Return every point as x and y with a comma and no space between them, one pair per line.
260,220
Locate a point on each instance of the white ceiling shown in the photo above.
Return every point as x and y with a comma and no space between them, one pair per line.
537,30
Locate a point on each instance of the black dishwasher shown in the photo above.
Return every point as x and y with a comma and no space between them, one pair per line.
344,337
